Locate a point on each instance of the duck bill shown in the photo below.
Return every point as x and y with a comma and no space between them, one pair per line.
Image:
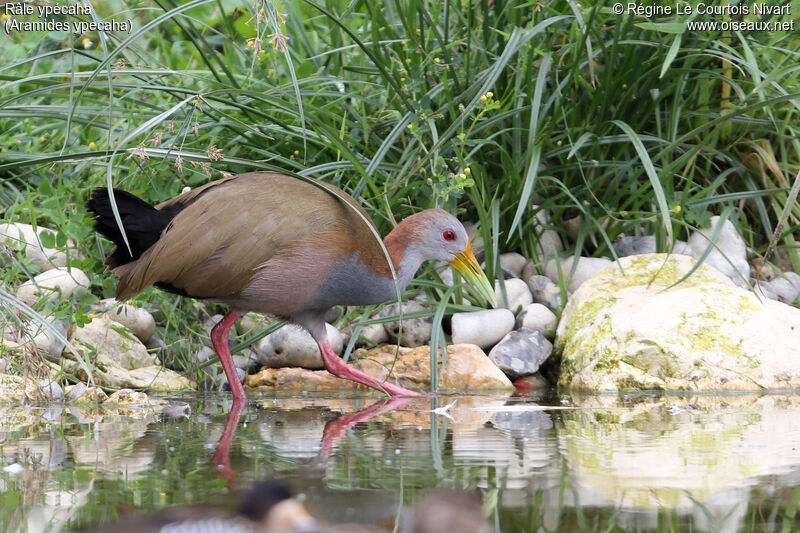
468,267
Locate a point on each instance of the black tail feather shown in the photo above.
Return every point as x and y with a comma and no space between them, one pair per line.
143,223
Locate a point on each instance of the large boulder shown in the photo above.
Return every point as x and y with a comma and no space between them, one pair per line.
119,359
468,369
643,329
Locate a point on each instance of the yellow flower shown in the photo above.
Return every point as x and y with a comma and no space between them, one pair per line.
489,94
250,43
462,176
436,60
677,209
410,126
19,141
297,152
467,170
483,99
92,145
41,139
5,16
90,316
624,85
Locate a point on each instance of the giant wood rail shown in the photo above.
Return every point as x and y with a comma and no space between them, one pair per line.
269,243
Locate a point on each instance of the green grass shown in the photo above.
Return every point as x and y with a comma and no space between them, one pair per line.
641,130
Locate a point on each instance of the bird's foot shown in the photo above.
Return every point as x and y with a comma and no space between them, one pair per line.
336,366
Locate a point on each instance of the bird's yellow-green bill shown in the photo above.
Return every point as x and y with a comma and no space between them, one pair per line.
468,266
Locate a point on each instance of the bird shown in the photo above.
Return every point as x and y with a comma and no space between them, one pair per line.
270,243
267,507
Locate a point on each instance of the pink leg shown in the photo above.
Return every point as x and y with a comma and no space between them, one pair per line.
336,366
219,338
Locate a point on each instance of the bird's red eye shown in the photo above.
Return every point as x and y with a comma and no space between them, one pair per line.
449,235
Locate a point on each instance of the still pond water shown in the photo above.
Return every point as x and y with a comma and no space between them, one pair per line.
597,463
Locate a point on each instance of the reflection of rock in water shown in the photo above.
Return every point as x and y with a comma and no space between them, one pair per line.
117,443
694,455
294,433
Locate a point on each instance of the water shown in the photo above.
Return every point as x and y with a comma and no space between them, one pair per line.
595,463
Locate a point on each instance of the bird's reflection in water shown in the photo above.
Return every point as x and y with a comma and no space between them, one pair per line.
334,430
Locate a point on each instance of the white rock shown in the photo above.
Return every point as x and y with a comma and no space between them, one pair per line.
538,317
44,339
518,295
483,328
587,267
23,238
787,285
415,331
512,263
52,283
631,331
374,334
730,255
294,346
48,391
138,320
548,241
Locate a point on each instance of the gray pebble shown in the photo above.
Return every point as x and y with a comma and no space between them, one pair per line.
415,331
787,286
521,352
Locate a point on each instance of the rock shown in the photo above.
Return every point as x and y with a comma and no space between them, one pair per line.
467,370
333,314
294,346
138,320
765,289
637,245
52,283
120,361
3,365
521,353
538,317
730,254
12,388
47,390
44,339
787,286
546,292
548,241
24,238
415,331
483,328
176,411
373,334
630,331
246,360
74,392
128,397
586,268
518,295
512,263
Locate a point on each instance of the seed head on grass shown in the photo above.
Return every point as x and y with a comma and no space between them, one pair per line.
215,154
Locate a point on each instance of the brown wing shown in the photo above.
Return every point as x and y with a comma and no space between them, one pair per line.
234,229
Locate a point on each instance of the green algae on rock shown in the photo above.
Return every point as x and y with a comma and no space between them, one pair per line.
637,325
